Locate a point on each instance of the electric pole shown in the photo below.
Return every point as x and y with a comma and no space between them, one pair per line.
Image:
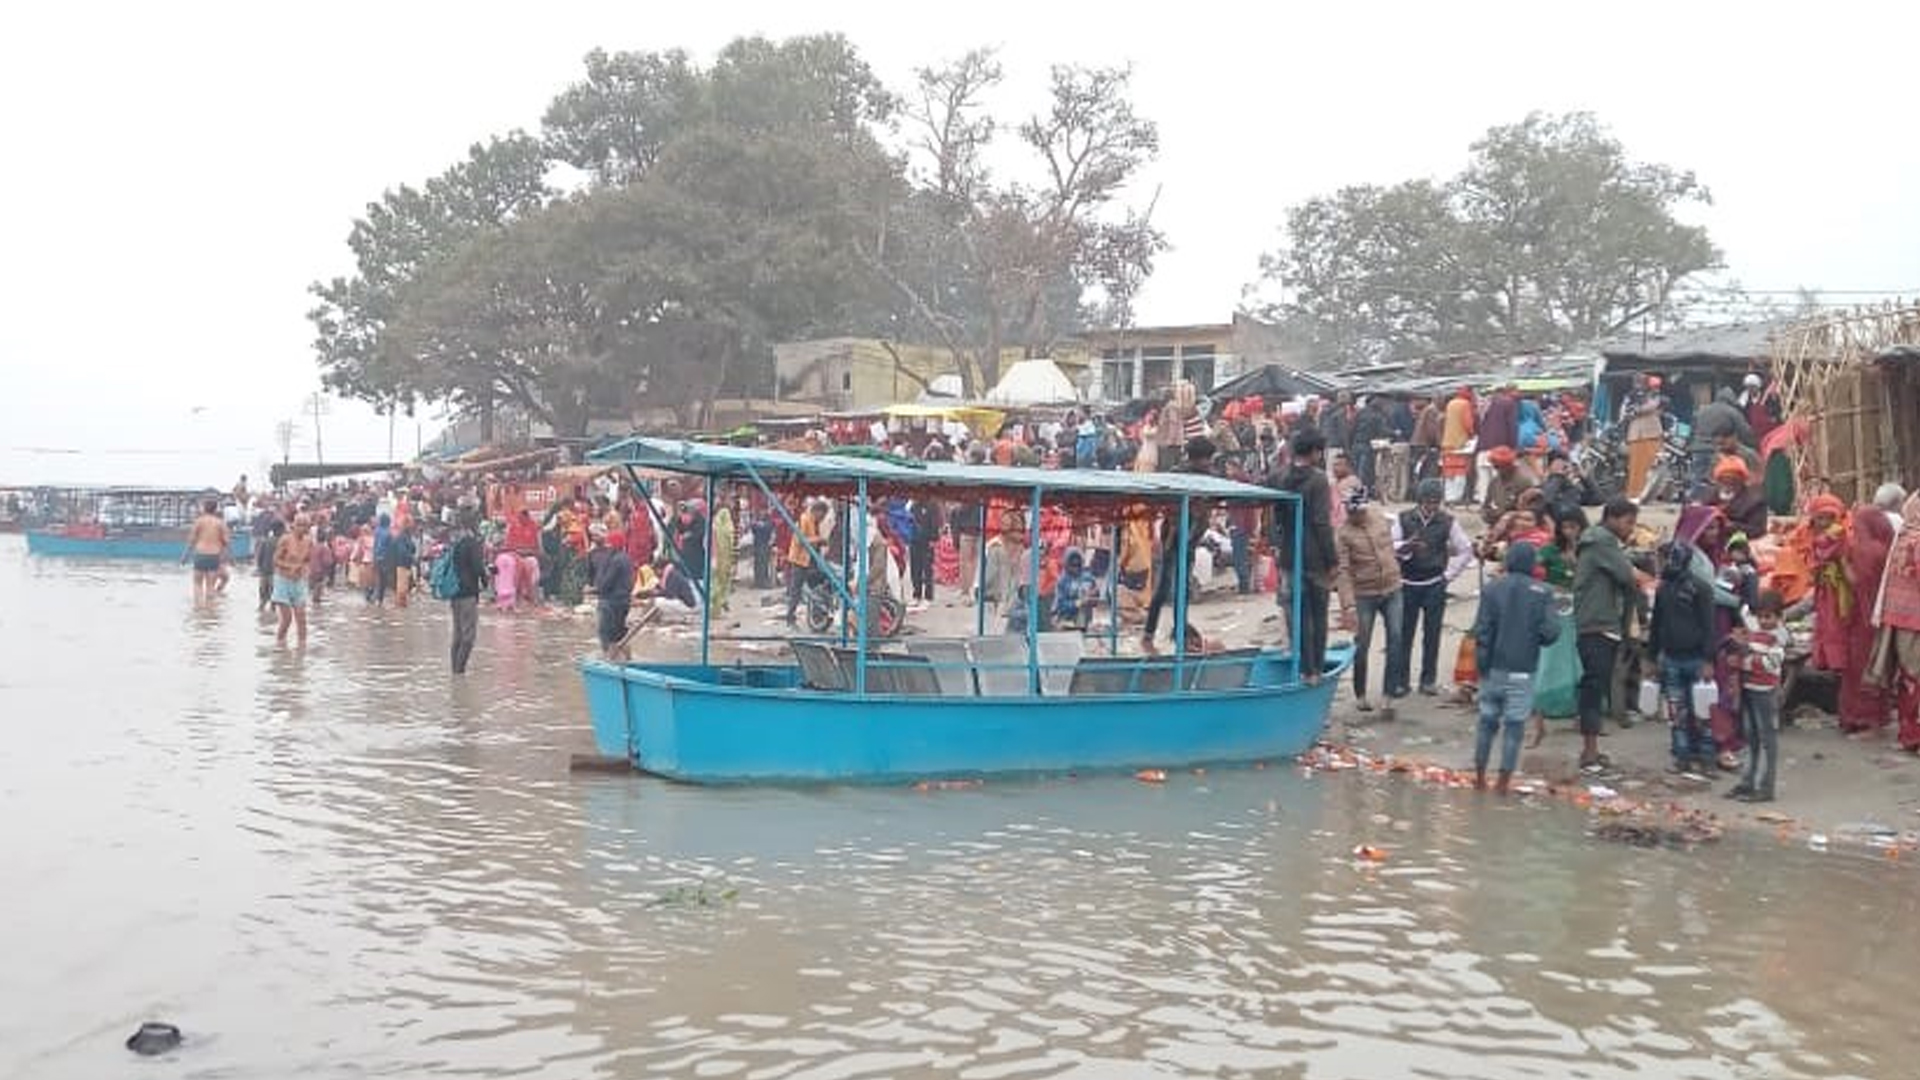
317,402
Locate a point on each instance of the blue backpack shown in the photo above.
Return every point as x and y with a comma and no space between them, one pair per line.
444,578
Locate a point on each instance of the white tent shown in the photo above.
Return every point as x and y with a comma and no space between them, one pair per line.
1033,382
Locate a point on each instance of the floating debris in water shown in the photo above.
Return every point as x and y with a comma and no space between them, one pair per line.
703,894
1625,821
1151,776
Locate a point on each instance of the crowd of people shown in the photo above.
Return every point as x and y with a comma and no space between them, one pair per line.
1586,611
1701,618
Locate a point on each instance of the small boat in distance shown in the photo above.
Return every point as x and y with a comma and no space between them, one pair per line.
854,710
119,523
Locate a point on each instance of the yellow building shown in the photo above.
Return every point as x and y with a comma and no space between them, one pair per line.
848,374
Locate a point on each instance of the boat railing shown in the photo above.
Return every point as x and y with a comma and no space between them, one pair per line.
989,667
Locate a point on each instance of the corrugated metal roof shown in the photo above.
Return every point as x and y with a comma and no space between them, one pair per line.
1734,341
781,466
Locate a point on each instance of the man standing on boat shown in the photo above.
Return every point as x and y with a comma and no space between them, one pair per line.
470,571
1318,555
207,546
1199,459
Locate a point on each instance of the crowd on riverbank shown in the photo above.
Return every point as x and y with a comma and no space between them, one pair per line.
1496,485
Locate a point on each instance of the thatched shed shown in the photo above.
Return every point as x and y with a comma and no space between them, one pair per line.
1855,377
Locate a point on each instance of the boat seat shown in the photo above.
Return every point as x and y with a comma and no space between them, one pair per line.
1000,665
1231,669
1059,652
1103,675
952,665
904,673
819,668
1156,677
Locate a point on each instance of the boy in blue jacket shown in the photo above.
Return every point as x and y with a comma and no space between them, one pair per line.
1514,623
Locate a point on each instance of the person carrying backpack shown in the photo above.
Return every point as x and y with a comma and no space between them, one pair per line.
458,577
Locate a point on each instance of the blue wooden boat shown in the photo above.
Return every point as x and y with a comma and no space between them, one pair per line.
858,710
146,544
119,523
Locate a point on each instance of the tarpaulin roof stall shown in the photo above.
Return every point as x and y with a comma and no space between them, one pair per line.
295,472
469,464
978,419
1273,382
1033,382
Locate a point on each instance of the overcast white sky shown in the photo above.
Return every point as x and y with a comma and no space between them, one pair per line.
178,173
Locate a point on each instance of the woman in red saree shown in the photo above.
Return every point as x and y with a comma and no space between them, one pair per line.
1847,564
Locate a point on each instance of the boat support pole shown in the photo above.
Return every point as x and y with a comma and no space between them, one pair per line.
666,534
1183,562
706,608
980,576
1033,593
849,520
1113,596
780,508
859,606
1296,583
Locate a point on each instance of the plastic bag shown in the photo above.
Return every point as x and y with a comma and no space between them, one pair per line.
1556,681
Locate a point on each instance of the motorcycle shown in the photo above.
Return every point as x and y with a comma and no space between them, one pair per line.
821,600
1603,458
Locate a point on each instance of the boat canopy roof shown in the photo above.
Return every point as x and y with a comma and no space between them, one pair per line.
886,474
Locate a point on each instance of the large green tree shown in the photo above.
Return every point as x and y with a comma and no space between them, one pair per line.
406,233
1550,236
720,209
718,219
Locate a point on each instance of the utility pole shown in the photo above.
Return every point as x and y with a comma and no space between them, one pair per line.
283,433
317,402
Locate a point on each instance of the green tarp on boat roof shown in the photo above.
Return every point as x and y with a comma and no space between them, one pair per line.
786,467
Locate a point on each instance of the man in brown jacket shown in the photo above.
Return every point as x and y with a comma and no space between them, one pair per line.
1368,584
1425,443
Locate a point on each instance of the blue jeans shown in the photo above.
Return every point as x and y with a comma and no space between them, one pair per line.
1365,609
1506,700
1692,738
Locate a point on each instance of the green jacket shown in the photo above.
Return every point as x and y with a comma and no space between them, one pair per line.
1603,583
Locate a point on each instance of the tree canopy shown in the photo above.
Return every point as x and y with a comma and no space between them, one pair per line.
720,209
982,264
1550,236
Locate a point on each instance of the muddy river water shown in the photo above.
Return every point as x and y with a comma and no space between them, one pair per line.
343,862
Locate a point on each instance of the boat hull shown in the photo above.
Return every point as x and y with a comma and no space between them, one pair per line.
678,721
157,548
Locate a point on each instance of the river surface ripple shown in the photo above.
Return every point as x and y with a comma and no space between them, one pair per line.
346,863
